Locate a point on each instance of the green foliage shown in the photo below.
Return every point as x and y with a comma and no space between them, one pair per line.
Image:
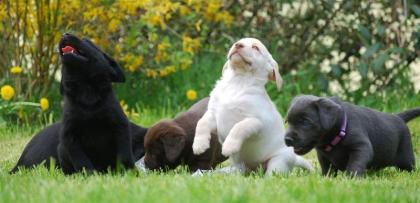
351,49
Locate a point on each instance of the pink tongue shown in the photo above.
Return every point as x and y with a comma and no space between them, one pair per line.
67,49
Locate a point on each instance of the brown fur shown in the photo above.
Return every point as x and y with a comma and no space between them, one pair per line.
168,143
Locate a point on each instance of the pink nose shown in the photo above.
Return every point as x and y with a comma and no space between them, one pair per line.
239,46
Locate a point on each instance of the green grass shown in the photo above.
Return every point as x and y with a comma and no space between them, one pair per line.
41,185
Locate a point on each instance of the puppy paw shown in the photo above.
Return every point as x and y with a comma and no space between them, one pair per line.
200,146
230,146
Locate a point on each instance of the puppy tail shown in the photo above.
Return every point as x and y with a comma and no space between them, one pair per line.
303,163
409,114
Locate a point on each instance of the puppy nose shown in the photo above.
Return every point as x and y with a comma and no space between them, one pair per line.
239,45
289,141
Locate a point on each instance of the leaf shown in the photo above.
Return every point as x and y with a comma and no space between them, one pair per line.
323,82
379,62
396,50
372,50
363,69
364,31
381,29
415,9
336,69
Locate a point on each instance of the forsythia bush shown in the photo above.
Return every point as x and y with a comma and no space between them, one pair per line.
151,39
349,48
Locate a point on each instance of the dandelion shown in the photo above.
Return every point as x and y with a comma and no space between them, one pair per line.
44,104
191,95
15,70
7,92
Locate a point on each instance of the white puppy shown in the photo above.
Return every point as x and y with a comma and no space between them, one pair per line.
247,122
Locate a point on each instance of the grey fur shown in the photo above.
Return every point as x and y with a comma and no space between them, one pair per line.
374,139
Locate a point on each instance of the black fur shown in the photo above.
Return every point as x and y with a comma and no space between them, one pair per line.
42,148
374,139
94,134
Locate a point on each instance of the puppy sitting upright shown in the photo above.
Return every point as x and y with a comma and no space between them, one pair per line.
245,119
348,137
95,131
168,143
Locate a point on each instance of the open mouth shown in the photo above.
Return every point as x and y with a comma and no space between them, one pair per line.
70,49
243,58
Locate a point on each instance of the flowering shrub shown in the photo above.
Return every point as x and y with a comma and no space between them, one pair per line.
151,39
351,48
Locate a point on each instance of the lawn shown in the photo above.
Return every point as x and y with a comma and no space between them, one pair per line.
41,185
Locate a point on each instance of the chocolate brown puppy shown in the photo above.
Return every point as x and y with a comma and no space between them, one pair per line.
348,137
168,143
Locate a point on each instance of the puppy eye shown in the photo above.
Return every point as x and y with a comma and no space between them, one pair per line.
255,47
305,121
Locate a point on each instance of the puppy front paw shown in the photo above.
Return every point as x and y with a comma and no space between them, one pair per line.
200,146
230,146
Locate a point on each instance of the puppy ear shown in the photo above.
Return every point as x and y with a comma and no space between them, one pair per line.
274,75
173,145
328,112
115,71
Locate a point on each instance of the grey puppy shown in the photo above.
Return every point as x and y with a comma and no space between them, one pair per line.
349,138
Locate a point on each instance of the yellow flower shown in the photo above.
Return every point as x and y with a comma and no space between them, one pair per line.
184,10
225,18
191,95
161,53
15,70
44,104
136,64
113,25
7,92
190,45
163,73
151,73
185,63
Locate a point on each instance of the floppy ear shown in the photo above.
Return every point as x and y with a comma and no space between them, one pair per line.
274,75
173,146
116,73
328,112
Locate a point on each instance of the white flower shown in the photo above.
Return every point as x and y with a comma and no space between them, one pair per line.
321,22
362,50
354,80
325,66
415,74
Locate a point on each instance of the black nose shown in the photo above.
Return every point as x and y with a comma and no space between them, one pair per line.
289,141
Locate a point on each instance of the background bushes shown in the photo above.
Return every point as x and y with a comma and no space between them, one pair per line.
361,51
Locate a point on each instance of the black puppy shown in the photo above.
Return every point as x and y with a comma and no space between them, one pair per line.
348,137
43,147
95,133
